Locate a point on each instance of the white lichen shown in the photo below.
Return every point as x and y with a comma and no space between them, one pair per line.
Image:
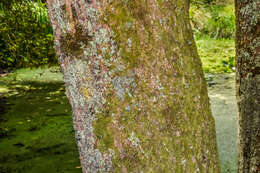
134,140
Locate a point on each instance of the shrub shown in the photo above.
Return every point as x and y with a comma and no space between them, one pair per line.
222,22
25,35
199,18
215,20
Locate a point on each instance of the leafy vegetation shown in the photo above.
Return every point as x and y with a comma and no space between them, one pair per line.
213,23
26,38
216,21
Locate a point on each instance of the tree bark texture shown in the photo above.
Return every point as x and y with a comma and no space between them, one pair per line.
248,84
135,84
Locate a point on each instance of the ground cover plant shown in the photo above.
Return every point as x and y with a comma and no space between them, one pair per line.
36,131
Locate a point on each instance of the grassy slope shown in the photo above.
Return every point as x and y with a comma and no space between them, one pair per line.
218,21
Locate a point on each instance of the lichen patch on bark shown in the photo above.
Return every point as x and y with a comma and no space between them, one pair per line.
248,80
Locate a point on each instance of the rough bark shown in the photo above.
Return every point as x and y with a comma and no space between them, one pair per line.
248,84
135,84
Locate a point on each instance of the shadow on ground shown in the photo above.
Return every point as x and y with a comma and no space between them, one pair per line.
36,133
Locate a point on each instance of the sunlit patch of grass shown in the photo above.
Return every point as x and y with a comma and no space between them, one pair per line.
36,133
36,74
217,55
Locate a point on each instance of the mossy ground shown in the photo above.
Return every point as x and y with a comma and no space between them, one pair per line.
36,133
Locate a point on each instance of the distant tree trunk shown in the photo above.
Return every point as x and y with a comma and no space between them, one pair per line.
135,83
248,84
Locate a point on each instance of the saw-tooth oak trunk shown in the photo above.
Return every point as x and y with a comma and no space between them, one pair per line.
248,84
135,84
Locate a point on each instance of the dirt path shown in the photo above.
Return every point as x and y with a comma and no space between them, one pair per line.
224,108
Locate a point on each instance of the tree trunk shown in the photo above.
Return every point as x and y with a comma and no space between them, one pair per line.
135,84
248,84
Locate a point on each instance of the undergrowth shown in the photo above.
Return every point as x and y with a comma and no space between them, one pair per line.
213,23
216,20
217,56
26,38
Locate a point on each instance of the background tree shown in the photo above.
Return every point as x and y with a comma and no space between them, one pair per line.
135,83
248,83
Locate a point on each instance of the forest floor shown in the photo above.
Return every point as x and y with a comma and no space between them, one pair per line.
36,133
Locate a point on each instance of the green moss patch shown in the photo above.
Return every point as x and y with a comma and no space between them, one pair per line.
36,132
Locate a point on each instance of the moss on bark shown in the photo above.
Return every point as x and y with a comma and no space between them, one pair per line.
146,107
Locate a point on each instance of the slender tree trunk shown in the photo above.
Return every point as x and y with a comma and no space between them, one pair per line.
135,83
248,84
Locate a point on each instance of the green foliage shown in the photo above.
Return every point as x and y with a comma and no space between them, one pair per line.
202,2
214,27
216,20
222,22
26,38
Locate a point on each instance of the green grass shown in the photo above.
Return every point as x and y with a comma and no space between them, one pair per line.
36,134
217,55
